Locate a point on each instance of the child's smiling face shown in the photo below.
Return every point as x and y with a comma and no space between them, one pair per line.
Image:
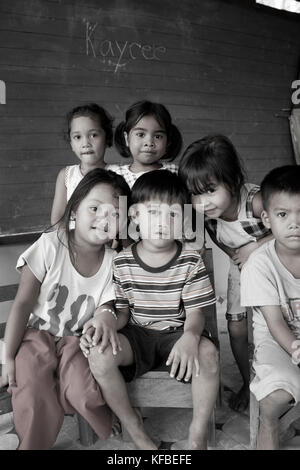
97,216
216,203
283,218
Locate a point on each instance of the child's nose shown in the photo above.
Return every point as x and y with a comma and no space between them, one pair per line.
165,220
102,213
149,141
200,199
86,141
294,221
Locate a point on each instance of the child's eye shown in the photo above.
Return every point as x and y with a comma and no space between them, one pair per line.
174,214
152,211
211,190
94,135
76,137
281,214
93,208
159,136
140,134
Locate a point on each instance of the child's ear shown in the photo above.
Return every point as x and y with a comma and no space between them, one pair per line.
133,228
134,214
71,143
265,219
126,138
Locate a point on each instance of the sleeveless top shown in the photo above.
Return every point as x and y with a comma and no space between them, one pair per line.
73,176
245,229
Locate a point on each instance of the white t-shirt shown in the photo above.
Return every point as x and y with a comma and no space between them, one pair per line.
266,281
66,299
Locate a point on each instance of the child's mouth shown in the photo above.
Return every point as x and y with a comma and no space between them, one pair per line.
209,211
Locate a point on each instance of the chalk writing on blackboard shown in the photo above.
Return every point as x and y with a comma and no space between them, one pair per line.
296,93
118,54
2,92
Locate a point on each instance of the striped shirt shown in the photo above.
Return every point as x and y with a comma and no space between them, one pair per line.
161,297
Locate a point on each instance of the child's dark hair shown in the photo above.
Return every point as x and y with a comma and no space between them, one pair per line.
285,179
93,111
212,157
159,184
146,108
91,179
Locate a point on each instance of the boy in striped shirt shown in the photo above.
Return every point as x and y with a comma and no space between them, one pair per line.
160,289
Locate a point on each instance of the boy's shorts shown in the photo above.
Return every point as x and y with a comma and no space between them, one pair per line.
234,310
151,348
274,370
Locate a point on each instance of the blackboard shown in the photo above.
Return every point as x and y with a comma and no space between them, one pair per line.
219,66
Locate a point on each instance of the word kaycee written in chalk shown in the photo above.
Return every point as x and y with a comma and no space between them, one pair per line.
117,54
2,92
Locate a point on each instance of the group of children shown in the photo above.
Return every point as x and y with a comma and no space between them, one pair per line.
95,310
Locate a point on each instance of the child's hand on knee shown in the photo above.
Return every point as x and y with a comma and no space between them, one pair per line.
184,357
110,338
104,325
86,341
8,374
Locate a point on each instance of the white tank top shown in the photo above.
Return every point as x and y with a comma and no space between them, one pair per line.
73,176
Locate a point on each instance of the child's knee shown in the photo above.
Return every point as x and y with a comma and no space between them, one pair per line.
271,406
209,356
101,363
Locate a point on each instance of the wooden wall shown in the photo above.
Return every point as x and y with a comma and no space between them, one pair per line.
219,66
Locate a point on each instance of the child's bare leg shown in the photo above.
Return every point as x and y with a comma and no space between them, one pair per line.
204,391
270,409
238,335
105,369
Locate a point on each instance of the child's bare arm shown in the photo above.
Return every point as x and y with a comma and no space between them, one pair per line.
184,354
60,198
23,304
242,254
257,205
279,328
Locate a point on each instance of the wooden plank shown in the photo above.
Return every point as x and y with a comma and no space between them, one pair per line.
2,330
8,292
5,402
157,389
